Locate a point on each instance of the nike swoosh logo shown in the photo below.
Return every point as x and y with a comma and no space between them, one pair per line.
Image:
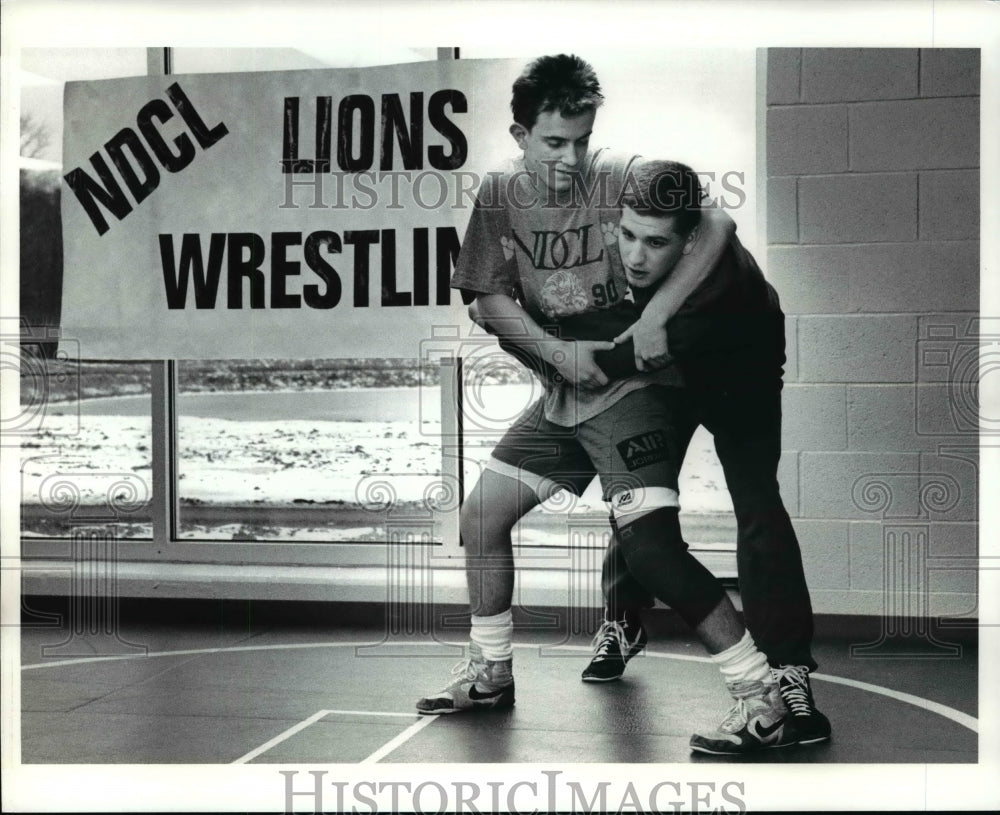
478,696
766,733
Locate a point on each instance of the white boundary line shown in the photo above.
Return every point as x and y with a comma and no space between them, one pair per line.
291,731
223,650
320,714
957,716
401,739
963,719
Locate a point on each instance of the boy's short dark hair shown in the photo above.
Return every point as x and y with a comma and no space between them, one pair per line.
563,82
665,189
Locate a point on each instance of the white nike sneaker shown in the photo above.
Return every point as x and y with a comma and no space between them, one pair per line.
757,721
481,685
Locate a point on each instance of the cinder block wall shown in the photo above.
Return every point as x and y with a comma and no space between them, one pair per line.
872,160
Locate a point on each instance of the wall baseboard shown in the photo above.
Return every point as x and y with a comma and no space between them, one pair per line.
449,620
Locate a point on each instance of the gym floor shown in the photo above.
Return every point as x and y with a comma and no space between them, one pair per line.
237,682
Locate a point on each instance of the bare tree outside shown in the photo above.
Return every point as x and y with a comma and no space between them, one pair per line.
41,229
35,136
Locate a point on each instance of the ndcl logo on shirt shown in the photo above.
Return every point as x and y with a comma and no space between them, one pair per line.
562,250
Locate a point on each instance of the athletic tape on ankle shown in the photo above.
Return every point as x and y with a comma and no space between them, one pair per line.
493,635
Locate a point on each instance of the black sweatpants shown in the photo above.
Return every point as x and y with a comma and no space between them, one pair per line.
745,421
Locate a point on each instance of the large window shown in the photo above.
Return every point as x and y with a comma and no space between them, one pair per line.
294,450
307,450
86,447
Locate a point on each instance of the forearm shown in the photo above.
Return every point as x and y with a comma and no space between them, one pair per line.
715,232
507,320
558,360
616,363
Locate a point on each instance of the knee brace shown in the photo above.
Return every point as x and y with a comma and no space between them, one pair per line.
658,558
622,592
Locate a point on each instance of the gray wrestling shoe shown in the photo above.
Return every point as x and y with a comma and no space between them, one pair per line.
482,684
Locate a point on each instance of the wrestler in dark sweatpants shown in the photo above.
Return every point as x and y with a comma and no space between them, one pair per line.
732,365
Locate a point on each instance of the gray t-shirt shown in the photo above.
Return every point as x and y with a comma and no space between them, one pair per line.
557,258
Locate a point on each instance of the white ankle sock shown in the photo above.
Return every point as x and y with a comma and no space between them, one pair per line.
493,635
743,662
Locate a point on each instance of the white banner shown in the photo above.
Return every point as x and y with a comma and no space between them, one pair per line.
276,214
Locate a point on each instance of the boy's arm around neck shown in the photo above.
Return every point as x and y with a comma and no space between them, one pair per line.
649,333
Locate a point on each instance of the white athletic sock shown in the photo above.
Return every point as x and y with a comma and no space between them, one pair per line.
742,662
494,634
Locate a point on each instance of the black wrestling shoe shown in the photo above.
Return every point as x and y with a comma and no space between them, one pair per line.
615,643
807,724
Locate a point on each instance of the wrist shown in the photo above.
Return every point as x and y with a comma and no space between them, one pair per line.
654,318
557,352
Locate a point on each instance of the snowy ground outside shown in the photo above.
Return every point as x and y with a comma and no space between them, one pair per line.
347,470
